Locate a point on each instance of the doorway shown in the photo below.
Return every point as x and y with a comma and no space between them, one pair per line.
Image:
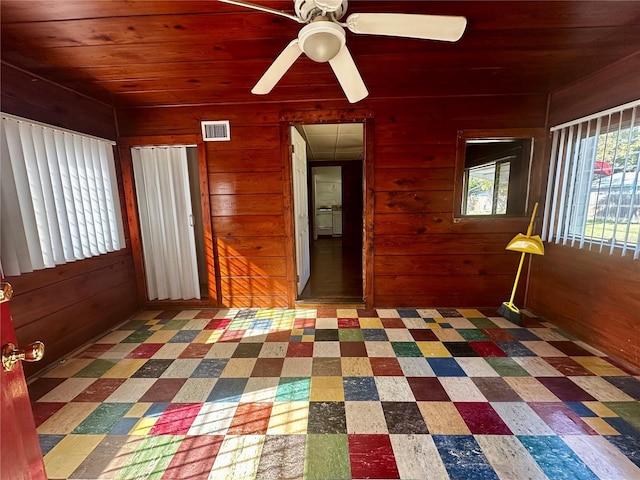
334,202
169,211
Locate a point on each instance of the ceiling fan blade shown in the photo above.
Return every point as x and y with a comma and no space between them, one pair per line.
428,27
240,3
348,76
278,68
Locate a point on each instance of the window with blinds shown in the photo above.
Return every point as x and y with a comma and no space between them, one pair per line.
60,199
593,191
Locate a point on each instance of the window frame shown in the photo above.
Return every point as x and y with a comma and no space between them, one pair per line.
536,136
570,188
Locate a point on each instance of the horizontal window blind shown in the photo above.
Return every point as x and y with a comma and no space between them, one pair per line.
60,199
593,190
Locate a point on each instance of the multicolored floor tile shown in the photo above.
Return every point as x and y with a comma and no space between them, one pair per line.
338,394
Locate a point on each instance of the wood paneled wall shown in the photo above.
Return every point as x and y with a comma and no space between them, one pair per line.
69,305
422,257
246,188
595,296
32,97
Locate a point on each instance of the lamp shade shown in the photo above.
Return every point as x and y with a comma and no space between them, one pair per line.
321,40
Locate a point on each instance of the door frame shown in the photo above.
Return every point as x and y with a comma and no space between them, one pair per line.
290,119
213,278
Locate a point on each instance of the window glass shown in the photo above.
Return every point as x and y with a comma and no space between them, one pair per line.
495,176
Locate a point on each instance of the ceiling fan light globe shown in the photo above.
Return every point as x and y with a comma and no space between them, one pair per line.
321,41
322,47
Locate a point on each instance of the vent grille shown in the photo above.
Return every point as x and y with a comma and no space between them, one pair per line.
216,131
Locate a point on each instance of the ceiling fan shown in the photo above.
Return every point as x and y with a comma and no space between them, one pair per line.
323,38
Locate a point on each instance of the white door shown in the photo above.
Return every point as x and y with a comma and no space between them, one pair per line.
300,208
166,222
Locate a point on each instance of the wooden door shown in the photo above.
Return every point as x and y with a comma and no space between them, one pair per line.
300,209
20,455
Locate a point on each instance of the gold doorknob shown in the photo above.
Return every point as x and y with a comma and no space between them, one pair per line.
11,355
6,291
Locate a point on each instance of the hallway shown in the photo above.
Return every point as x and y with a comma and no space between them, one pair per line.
336,272
326,393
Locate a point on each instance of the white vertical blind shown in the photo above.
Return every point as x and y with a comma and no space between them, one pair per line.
593,198
59,197
164,208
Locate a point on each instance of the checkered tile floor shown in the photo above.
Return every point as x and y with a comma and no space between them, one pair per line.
331,394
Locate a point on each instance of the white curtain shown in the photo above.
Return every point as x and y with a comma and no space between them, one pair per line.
593,189
59,197
166,222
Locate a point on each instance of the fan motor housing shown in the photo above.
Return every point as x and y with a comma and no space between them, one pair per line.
308,9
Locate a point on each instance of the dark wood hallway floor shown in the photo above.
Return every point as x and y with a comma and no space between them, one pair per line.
336,272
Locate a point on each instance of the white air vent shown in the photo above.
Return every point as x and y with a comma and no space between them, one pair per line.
216,131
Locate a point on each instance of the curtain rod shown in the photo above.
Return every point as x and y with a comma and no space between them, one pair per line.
596,115
54,127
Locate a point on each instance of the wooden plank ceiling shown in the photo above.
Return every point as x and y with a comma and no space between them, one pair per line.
149,52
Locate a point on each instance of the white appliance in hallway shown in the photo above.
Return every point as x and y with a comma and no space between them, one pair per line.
336,220
324,221
327,200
